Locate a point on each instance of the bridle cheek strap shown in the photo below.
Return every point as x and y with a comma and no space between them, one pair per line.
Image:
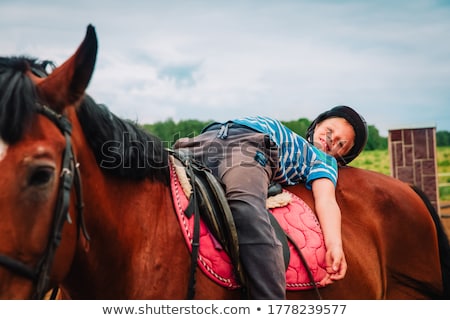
61,216
70,175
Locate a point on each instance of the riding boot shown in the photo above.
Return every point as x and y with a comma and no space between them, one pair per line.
265,269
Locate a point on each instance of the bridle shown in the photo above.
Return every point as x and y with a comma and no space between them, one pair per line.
69,176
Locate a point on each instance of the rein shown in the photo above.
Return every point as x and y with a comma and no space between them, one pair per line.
69,176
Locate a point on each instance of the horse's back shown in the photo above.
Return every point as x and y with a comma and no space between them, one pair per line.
389,238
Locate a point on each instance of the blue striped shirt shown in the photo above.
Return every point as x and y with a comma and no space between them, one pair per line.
298,160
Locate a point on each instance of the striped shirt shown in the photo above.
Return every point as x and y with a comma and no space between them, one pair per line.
298,161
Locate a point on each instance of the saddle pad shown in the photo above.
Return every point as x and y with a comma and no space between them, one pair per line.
296,219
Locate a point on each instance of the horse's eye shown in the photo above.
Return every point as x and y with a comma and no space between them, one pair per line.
41,176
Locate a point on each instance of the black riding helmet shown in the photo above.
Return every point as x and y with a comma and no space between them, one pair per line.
355,119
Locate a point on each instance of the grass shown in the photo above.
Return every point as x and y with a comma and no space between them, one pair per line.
379,161
375,160
443,161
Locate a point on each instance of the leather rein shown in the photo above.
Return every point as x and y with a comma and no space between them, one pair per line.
69,176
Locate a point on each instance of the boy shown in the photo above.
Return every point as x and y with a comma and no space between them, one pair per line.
248,154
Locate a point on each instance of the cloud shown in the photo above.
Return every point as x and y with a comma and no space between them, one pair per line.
218,60
182,75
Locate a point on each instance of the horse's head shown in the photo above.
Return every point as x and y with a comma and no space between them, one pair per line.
39,170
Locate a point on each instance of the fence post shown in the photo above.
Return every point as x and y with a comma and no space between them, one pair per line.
413,159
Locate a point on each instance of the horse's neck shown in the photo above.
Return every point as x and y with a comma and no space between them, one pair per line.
131,225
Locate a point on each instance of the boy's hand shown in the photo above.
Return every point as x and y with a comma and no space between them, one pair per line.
336,265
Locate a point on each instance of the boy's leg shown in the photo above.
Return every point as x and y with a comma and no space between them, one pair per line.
261,252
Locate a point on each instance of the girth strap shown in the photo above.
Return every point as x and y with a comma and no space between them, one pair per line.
282,236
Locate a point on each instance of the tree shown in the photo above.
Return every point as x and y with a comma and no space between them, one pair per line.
169,132
442,138
375,141
298,126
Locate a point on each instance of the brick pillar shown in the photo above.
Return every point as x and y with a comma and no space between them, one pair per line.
413,159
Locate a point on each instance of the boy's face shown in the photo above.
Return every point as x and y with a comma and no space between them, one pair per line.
334,136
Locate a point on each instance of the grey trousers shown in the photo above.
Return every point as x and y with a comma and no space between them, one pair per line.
245,160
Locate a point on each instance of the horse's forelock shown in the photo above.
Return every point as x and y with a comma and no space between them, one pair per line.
17,97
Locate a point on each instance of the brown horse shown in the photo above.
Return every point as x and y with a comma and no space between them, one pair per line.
86,206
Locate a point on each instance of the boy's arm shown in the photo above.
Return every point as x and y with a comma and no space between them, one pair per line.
329,215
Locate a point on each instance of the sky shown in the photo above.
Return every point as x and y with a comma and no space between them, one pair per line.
219,60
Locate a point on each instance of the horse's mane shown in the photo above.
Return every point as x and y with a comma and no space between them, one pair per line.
120,146
17,96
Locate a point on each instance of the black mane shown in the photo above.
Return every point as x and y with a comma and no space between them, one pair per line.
120,146
17,97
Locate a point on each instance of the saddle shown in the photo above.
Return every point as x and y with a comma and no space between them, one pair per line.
208,202
206,218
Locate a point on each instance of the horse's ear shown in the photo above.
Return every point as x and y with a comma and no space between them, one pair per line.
66,84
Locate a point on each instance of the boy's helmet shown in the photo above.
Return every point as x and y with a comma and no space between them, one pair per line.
355,119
